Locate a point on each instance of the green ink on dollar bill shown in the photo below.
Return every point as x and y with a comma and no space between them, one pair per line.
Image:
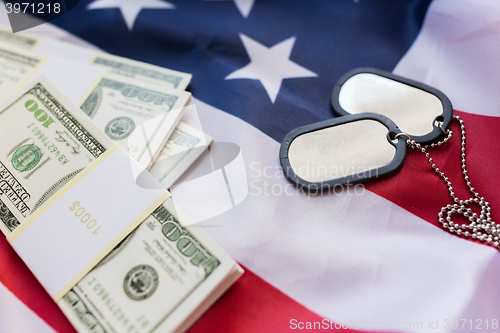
46,140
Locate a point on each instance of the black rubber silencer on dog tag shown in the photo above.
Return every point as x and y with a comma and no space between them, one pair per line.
341,152
418,110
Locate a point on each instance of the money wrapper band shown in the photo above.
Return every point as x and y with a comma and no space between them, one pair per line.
79,225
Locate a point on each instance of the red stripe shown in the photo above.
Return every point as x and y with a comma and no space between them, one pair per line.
419,190
253,305
250,305
16,276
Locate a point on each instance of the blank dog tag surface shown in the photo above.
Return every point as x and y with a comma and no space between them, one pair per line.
341,151
414,107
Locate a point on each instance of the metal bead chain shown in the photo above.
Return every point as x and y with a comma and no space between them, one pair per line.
480,227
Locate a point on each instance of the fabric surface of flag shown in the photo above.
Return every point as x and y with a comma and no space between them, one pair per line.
372,260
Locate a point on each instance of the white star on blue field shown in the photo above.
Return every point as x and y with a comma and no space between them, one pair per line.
130,8
270,65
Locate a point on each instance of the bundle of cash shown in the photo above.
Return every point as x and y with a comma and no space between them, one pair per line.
165,274
138,105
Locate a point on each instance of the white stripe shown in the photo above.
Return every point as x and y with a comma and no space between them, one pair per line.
15,317
457,52
346,257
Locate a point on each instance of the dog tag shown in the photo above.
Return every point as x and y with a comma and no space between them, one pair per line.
380,112
422,112
342,151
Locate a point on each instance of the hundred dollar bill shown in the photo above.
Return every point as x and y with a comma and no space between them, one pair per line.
142,72
80,52
16,66
161,278
182,149
23,41
138,116
45,141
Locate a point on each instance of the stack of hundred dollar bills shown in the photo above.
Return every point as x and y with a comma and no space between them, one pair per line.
62,106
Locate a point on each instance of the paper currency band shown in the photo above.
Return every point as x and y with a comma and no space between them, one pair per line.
23,250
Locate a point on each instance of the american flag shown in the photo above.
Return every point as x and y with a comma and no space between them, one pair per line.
371,261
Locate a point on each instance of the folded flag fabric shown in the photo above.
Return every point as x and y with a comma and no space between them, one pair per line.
370,259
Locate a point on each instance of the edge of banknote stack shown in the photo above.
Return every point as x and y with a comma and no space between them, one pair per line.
63,108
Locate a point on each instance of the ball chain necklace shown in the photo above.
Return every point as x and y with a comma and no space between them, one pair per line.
364,99
480,227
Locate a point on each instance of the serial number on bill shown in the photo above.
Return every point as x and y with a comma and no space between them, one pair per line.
32,8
